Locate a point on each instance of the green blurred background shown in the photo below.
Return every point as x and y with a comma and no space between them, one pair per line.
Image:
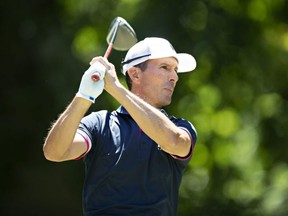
237,98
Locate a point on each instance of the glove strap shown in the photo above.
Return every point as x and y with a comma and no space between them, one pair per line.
89,98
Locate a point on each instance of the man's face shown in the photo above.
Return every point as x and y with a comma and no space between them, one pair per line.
157,82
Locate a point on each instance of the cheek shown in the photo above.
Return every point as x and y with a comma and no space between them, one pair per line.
152,80
150,86
154,84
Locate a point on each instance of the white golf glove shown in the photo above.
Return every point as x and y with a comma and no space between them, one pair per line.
90,89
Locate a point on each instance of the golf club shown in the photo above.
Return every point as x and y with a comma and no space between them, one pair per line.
121,36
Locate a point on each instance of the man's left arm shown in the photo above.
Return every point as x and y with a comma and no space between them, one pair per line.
172,139
151,120
191,131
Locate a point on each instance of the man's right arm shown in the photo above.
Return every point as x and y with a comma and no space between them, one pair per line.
62,142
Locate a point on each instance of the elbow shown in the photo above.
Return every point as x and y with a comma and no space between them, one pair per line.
50,154
178,145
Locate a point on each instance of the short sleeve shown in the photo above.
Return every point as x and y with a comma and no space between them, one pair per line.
189,128
90,128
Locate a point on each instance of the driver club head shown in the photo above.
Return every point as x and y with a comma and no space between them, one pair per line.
121,35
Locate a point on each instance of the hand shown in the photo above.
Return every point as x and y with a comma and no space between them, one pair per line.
111,79
89,88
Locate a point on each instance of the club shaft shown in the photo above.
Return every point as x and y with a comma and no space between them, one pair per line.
108,51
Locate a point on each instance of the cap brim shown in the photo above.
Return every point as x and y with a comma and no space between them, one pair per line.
186,62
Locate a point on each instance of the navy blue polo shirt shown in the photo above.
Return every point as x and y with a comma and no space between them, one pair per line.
126,172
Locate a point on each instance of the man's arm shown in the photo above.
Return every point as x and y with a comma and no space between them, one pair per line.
62,142
152,121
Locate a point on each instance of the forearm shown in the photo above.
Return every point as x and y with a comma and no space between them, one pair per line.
154,123
151,120
61,135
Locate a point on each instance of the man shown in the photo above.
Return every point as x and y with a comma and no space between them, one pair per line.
134,156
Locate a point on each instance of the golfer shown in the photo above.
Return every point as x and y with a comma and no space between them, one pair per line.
134,156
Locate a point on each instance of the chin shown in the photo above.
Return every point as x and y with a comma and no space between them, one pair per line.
166,102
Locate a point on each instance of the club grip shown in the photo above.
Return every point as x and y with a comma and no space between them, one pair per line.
97,71
96,76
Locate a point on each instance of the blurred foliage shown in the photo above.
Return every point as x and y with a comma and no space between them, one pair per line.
237,98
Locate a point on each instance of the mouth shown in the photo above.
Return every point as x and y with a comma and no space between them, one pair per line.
169,87
170,90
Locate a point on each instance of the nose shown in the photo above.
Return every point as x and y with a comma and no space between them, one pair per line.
174,77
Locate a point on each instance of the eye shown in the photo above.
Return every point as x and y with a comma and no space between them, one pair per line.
165,67
169,68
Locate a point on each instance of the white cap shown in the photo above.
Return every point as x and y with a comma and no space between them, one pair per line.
154,48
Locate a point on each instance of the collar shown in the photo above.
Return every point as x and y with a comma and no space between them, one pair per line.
122,110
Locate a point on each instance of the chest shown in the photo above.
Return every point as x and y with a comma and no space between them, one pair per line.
122,145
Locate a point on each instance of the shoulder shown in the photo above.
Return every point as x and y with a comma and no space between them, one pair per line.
94,120
186,125
95,116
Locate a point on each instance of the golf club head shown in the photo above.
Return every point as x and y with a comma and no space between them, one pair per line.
121,35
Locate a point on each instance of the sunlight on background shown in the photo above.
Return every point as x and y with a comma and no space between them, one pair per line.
204,69
199,13
245,145
209,97
231,6
86,44
284,38
230,139
203,156
195,179
275,197
226,122
129,7
268,105
76,8
257,10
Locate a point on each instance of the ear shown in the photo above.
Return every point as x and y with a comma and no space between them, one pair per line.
134,73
